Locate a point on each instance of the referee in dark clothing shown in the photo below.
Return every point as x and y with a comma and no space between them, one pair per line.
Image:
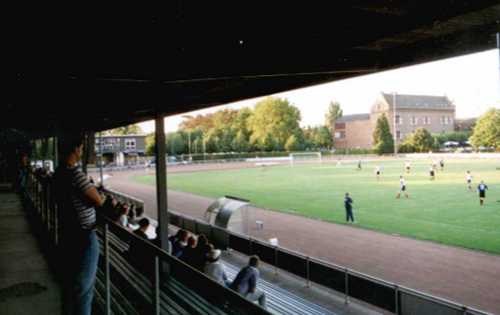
348,208
78,252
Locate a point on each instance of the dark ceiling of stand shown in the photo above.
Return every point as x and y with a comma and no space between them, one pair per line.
95,68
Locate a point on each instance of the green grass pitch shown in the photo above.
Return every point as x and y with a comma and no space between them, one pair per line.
441,210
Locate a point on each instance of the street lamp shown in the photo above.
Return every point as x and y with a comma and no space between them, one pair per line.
394,123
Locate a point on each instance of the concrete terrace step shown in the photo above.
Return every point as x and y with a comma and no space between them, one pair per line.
281,301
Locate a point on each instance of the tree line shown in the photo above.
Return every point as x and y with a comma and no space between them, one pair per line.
272,125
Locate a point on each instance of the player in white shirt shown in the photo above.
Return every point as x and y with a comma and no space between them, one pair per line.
468,178
407,167
377,171
432,173
402,187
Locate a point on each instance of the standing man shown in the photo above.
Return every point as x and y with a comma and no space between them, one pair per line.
432,173
359,165
441,163
407,167
377,172
468,177
348,208
77,199
245,282
482,188
402,187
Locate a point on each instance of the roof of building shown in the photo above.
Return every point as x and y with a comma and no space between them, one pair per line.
115,71
419,101
121,136
353,117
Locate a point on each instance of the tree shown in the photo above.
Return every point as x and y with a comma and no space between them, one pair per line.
382,137
486,132
240,142
124,130
421,140
150,144
276,118
292,144
334,112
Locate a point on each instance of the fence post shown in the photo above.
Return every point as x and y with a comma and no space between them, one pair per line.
276,260
346,286
156,289
396,299
308,283
106,269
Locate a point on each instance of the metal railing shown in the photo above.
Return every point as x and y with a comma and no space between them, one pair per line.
353,284
116,292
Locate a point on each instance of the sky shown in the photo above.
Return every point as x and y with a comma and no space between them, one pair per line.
471,82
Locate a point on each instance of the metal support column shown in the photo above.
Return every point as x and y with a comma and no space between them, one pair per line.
85,154
107,281
100,159
161,180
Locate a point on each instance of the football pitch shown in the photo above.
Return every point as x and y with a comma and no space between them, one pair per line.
442,210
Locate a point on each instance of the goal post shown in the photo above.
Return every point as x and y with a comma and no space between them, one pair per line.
305,157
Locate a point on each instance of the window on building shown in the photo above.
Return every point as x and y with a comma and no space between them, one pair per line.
399,120
441,120
129,144
414,120
399,135
427,120
339,134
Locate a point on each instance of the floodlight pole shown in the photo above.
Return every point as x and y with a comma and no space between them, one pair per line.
395,132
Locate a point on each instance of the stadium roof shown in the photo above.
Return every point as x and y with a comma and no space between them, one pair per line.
424,102
353,117
99,69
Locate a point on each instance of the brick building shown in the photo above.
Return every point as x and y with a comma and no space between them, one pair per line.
434,113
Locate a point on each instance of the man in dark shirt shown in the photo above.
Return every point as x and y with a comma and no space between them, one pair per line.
482,188
245,282
76,198
348,208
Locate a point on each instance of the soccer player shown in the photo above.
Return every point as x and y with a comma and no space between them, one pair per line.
407,167
468,177
359,165
377,172
432,173
348,208
402,188
481,188
434,165
441,163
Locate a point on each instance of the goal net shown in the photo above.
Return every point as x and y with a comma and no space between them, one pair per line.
305,157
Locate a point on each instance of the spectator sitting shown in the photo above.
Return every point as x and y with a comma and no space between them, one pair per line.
179,242
189,252
143,227
201,251
157,241
131,213
245,282
123,216
215,269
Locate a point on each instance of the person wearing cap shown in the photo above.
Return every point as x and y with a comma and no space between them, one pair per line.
215,269
245,282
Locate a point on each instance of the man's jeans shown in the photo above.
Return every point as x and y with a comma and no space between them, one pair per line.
349,215
81,268
258,295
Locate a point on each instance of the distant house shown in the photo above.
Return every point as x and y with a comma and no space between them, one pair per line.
121,150
434,113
